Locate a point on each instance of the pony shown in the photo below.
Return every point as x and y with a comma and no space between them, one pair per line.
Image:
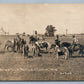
9,44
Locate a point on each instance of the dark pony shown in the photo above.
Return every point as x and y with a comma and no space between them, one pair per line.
71,48
32,39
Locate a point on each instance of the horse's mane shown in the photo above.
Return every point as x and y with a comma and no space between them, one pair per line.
8,41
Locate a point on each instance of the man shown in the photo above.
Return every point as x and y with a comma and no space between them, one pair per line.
26,50
57,41
15,44
18,42
75,42
34,49
43,38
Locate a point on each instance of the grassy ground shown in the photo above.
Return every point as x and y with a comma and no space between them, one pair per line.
13,66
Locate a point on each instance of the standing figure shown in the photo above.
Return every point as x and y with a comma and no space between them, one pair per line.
26,50
34,49
38,49
15,44
75,42
56,51
43,38
23,42
57,41
18,43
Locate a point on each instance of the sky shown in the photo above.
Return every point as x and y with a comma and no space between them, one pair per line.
18,18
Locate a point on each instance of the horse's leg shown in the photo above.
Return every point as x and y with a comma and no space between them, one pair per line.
30,42
56,53
13,48
5,47
46,49
82,53
70,54
22,51
17,48
65,56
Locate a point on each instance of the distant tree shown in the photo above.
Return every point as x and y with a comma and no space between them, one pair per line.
50,30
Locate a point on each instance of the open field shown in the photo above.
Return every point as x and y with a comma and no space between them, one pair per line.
13,66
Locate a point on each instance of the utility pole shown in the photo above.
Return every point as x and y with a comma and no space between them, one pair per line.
66,31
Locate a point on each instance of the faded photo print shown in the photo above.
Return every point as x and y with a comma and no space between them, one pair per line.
41,42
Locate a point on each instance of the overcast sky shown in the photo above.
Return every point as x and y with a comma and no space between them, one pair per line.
18,18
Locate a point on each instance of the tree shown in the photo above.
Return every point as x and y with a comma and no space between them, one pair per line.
50,30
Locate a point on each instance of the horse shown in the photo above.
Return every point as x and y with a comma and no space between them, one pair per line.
20,44
60,50
73,48
15,43
43,44
53,48
65,44
9,44
32,39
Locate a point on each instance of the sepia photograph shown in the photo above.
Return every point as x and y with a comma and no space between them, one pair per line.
42,42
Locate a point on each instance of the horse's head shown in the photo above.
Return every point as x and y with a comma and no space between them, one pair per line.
52,46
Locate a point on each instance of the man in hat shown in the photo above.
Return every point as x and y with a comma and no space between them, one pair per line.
26,50
75,42
57,41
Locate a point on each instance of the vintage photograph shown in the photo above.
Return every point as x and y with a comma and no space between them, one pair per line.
41,42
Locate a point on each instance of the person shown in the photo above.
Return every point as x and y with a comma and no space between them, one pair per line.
43,38
15,43
75,42
26,50
57,41
38,50
18,42
56,51
34,49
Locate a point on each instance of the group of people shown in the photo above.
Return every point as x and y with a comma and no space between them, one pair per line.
24,48
74,43
20,45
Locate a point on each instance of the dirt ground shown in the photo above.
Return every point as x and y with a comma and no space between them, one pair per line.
14,67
